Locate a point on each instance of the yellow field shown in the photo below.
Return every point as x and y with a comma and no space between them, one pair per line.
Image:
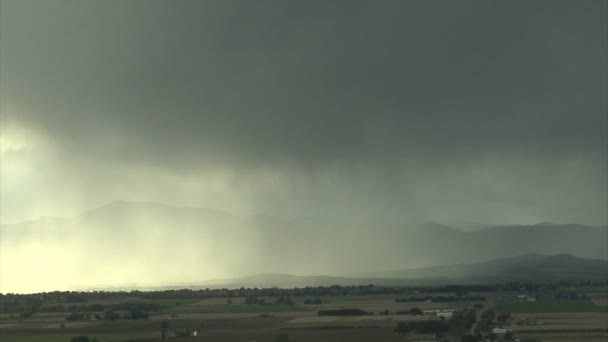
565,327
562,315
352,319
572,337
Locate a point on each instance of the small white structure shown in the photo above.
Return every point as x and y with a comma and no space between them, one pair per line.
500,330
444,314
531,299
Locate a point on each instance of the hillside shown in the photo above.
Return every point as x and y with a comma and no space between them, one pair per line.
526,267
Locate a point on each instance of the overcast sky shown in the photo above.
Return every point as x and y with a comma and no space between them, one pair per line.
455,111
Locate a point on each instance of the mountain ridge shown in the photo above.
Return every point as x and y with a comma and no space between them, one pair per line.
597,270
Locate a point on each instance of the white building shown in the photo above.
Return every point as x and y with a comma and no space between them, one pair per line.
500,330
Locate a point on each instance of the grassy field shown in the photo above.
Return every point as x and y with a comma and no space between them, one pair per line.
570,337
600,301
66,337
563,320
235,308
227,322
551,305
564,326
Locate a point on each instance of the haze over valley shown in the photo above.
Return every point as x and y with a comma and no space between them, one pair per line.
149,244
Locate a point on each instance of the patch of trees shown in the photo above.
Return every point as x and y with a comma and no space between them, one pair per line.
464,319
78,316
503,317
254,300
27,304
284,301
136,314
471,338
412,311
534,286
441,299
110,315
344,312
125,306
316,301
485,321
54,308
75,297
456,326
83,339
11,302
20,306
281,300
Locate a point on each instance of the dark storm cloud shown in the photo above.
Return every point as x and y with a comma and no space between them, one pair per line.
416,92
310,81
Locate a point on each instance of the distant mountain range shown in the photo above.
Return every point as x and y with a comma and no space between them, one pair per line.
534,267
150,242
531,267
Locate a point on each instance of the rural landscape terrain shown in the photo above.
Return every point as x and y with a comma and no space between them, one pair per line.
516,311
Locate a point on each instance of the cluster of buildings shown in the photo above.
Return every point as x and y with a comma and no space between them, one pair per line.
525,297
446,313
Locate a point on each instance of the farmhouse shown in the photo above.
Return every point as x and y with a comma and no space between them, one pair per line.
447,313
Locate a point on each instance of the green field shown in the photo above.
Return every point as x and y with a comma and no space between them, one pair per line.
240,322
551,305
235,308
66,337
167,302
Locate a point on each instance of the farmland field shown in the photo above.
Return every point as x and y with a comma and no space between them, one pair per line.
235,308
554,305
101,337
228,319
562,326
231,320
600,301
